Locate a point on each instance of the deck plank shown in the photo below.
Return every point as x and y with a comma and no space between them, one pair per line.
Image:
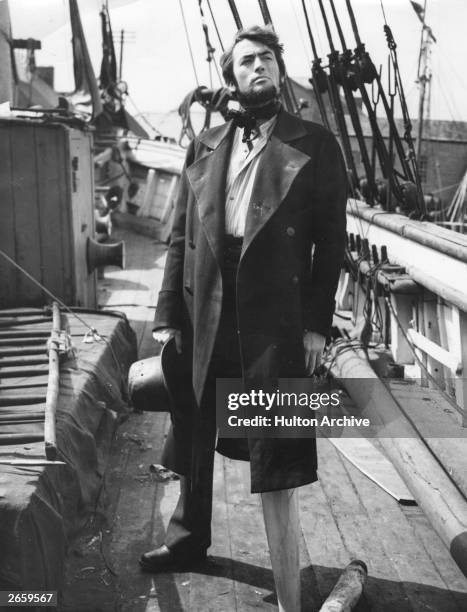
415,568
214,589
251,566
343,516
359,534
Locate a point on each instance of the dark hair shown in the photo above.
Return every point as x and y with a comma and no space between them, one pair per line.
264,35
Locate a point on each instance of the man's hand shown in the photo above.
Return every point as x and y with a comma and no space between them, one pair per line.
163,335
313,343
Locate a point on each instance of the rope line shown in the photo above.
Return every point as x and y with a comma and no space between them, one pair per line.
215,25
382,10
92,331
188,42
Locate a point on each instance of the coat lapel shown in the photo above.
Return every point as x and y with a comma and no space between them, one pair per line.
207,177
279,165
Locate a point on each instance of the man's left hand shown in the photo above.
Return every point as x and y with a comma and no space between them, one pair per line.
313,343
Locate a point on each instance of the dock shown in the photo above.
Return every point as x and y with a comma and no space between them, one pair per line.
344,515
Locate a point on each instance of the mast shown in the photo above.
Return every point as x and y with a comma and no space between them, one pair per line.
7,81
424,74
120,62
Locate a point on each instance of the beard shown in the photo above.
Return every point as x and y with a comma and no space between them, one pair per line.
258,97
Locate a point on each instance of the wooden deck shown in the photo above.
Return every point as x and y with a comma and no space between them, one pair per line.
343,516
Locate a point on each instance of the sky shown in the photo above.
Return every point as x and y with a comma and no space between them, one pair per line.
157,64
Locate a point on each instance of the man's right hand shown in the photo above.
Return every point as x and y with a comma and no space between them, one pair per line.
163,335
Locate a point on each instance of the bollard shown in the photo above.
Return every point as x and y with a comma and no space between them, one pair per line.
348,589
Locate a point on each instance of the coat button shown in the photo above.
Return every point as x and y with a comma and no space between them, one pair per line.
192,244
295,280
290,231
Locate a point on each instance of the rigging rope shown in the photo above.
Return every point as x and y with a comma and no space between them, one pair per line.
188,42
210,49
310,34
45,290
336,104
236,16
349,79
288,92
215,25
265,12
143,117
300,33
92,331
313,10
382,10
319,78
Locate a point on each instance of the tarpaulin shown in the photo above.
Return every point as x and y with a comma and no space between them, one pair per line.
41,506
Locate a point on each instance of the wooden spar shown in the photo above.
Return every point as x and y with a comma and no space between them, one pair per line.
345,595
31,341
425,233
22,372
23,312
20,399
438,265
435,351
7,439
23,361
34,334
52,387
18,351
16,322
431,486
30,462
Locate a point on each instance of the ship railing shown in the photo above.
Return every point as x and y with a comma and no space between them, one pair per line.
410,279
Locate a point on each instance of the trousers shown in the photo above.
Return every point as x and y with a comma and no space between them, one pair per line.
189,528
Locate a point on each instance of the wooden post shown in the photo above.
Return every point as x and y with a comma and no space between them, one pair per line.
443,311
170,199
149,194
348,589
400,348
431,331
461,376
52,388
453,332
359,297
344,291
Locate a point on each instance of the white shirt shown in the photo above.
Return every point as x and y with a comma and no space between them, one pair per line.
241,176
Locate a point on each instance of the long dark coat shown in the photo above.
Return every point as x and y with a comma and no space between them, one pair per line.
298,200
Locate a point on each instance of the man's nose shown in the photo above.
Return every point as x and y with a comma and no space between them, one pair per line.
258,64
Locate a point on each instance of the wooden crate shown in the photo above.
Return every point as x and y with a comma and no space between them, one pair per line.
46,207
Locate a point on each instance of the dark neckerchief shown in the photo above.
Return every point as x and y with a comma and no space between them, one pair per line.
247,119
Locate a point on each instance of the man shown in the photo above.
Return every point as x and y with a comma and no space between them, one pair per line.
240,295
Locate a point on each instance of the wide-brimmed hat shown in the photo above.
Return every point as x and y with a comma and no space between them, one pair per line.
153,381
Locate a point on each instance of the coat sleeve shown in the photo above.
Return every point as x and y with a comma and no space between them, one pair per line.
328,234
170,303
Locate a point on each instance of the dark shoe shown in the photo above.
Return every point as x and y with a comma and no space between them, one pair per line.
163,559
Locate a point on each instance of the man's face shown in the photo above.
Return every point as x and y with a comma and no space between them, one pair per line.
256,71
